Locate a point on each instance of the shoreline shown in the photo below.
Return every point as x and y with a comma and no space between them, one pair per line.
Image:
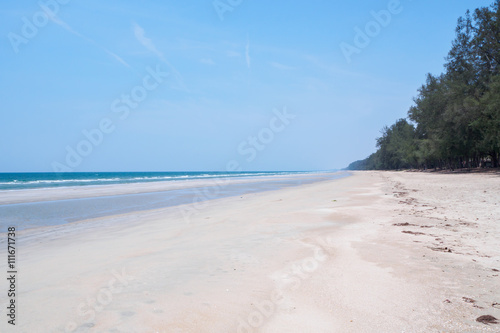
357,254
33,209
8,197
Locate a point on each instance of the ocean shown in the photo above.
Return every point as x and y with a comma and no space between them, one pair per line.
18,181
53,212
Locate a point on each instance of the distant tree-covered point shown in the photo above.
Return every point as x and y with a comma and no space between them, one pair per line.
455,120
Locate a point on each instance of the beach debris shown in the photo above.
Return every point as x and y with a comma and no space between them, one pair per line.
496,305
441,249
487,319
495,270
412,232
468,300
407,201
446,301
405,224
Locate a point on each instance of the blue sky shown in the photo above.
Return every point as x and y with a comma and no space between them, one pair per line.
185,86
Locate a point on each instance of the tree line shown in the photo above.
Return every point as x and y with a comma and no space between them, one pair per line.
455,120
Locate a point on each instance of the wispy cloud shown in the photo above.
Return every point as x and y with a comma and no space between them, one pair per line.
118,58
330,68
281,66
247,53
140,35
68,28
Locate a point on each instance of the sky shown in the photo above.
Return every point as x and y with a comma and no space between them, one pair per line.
204,85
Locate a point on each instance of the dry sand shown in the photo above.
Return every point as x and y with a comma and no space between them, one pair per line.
376,252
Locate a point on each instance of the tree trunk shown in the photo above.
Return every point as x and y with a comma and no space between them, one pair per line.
494,159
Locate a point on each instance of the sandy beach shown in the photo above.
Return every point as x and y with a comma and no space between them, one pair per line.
373,252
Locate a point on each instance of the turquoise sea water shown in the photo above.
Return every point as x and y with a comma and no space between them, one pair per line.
15,181
58,212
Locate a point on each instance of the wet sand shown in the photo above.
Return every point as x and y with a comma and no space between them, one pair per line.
375,252
36,208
